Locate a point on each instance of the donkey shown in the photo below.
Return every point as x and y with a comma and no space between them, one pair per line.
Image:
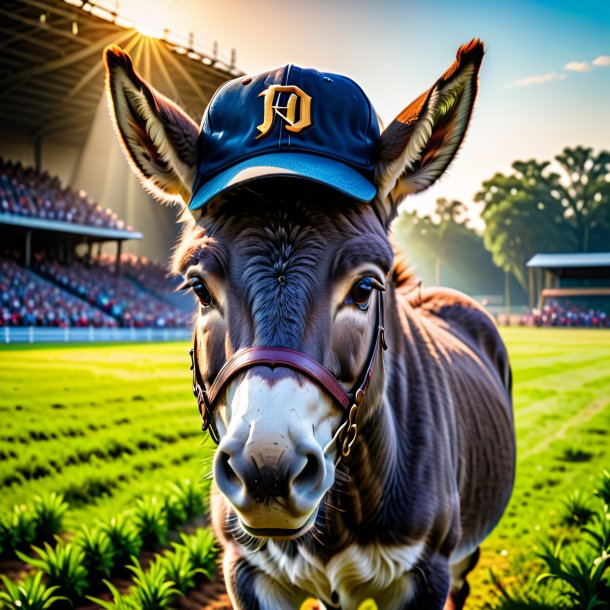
364,425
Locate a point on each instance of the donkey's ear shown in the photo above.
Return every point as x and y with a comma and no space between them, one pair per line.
159,139
419,144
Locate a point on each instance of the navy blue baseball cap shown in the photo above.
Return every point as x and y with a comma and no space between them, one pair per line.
290,122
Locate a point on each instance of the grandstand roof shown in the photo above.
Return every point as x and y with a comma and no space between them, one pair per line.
91,232
556,261
586,265
52,74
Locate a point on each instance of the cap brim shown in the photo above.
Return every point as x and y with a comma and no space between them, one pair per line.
325,171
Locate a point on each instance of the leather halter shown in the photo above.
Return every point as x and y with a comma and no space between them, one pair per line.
246,358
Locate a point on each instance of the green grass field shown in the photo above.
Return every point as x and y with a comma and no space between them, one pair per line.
102,424
107,424
562,417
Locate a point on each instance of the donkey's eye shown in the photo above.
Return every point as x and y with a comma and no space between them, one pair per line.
361,293
201,290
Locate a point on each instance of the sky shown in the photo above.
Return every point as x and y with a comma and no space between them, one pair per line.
544,84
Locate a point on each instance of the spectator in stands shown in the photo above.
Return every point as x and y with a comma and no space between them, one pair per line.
151,277
130,304
75,294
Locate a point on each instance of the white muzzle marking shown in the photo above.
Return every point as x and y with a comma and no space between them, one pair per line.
271,463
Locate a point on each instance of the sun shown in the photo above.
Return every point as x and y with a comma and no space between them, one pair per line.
150,23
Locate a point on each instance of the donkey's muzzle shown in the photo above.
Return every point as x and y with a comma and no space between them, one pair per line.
271,484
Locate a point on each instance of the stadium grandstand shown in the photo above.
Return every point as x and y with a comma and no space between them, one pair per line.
44,280
575,290
82,247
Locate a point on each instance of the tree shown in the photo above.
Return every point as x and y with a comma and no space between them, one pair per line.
537,210
449,214
585,195
452,247
522,216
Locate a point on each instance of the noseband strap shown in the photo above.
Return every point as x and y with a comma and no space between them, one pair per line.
279,356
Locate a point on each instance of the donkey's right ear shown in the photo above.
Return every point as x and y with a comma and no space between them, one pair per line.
159,139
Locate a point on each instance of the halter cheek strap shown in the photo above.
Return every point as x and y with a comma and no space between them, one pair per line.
205,407
298,361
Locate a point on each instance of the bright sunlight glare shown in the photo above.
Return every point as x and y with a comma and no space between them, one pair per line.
150,23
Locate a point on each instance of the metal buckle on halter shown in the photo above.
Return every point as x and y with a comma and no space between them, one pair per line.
351,430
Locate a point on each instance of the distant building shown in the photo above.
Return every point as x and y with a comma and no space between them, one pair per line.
583,279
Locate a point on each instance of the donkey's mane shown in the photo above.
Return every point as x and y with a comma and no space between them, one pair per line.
403,274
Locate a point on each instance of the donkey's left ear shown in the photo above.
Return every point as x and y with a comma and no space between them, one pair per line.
158,138
420,143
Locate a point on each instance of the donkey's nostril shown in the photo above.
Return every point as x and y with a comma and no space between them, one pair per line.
226,470
229,479
309,476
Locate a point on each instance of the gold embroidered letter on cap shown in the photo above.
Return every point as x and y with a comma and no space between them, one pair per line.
290,109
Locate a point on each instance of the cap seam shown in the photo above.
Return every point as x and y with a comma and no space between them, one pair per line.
285,79
208,116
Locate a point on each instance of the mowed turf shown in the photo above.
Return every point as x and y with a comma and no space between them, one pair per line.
561,398
102,424
106,424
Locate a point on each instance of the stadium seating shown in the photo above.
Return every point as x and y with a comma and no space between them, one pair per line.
27,300
119,297
150,276
53,293
27,192
565,315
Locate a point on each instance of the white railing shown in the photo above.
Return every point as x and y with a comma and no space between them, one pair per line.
41,334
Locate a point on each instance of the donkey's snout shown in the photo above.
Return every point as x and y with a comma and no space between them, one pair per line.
271,486
262,482
270,464
251,472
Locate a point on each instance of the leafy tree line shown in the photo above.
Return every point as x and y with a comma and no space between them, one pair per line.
445,250
535,209
530,210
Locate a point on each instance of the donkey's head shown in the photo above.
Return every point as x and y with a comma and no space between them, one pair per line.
288,189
